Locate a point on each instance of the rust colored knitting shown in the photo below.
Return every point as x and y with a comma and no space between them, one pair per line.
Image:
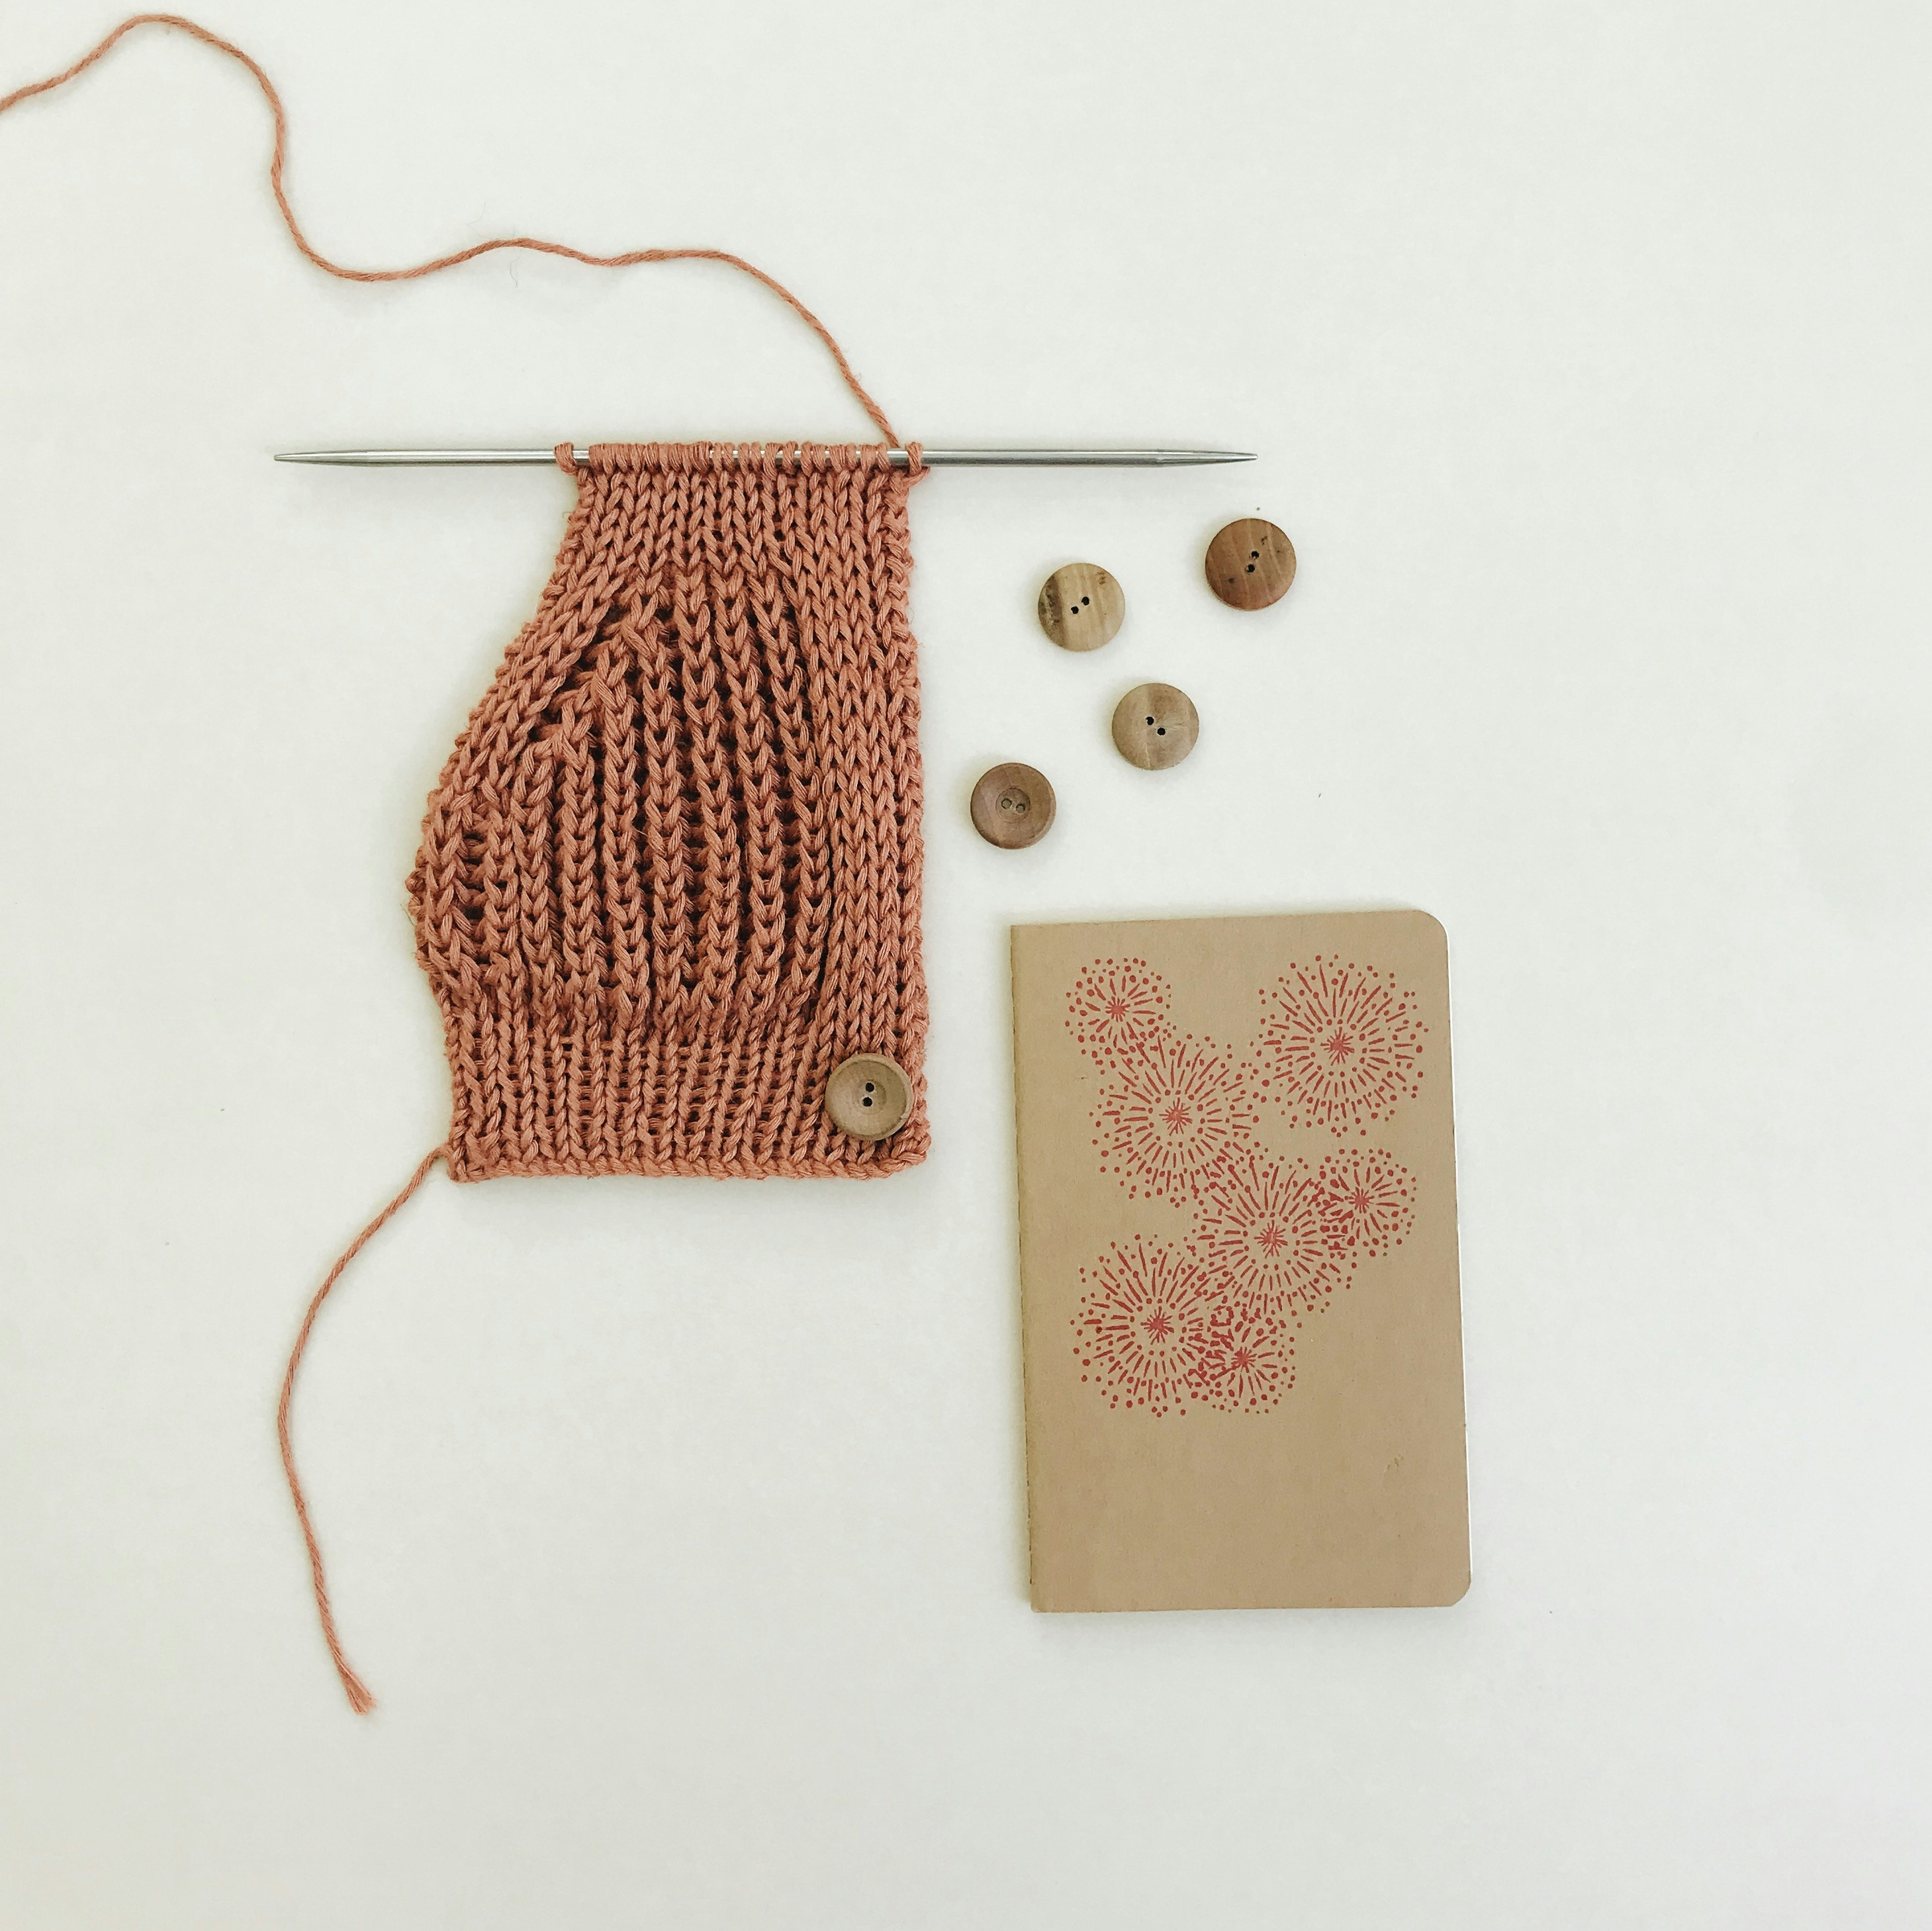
670,876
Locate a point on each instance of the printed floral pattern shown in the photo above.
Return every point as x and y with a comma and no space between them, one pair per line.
1269,1240
1249,1362
1339,1045
1263,1233
1118,1008
1368,1202
1142,1331
1172,1115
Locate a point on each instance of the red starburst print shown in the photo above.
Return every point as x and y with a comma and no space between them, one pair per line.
1339,1045
1116,1008
1260,1235
1249,1362
1141,1333
1368,1202
1172,1115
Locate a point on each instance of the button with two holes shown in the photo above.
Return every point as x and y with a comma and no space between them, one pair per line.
868,1096
1250,564
1013,807
1155,726
1080,606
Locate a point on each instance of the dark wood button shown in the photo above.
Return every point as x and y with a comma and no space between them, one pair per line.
1250,564
1080,606
1155,726
1012,806
868,1096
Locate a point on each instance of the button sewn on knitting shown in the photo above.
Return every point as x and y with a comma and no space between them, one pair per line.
868,1096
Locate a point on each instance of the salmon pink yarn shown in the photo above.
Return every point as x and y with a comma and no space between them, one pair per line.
670,878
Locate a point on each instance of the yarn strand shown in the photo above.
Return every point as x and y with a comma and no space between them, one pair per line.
630,258
360,1700
669,877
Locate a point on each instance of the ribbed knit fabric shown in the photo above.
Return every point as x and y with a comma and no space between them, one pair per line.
670,877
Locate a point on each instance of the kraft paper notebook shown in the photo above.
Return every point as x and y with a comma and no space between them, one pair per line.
1238,1267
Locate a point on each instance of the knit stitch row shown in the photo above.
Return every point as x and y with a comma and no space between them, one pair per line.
670,877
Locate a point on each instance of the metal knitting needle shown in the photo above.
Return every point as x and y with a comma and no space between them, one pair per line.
934,459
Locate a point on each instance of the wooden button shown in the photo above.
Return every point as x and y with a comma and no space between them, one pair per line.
1250,564
1080,607
1012,806
868,1096
1155,726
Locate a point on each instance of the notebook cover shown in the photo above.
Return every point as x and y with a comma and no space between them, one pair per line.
1238,1253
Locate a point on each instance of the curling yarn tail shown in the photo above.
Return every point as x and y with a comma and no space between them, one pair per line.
360,1700
533,244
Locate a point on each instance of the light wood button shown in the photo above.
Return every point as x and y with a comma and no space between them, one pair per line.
1080,606
1013,807
1155,726
1250,564
868,1096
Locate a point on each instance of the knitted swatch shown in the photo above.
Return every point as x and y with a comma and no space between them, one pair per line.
670,877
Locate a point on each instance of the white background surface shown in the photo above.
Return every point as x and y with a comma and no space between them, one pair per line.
678,1527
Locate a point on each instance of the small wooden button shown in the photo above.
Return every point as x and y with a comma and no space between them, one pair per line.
1250,564
1012,806
1080,606
868,1096
1155,726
